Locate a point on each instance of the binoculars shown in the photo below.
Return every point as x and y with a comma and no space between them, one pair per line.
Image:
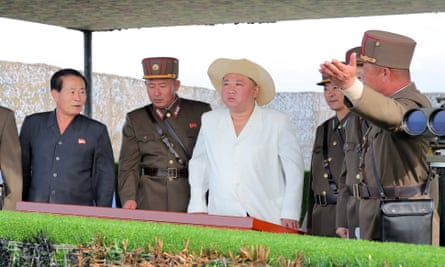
425,121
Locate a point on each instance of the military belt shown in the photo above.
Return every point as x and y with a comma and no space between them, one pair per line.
392,192
325,199
166,172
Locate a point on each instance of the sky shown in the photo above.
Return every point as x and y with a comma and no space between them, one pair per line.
290,50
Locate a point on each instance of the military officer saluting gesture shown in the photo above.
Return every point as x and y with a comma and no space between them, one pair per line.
390,157
157,142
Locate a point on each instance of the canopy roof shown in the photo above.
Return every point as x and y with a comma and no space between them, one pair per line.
105,15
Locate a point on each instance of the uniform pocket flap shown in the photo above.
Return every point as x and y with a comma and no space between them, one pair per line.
146,137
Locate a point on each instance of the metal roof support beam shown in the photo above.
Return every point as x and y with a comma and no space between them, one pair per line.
87,47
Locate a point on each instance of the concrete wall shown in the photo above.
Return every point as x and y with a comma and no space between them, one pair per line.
25,89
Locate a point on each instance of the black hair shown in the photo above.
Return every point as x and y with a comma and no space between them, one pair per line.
57,81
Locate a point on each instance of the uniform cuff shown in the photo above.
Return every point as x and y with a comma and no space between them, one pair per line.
354,93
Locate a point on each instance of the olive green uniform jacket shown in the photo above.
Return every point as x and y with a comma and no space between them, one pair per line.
10,158
347,203
400,158
321,217
142,147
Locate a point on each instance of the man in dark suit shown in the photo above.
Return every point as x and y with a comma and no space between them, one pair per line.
10,160
67,158
157,142
383,99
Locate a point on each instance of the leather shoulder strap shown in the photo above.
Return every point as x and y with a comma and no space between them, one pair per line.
164,137
177,139
331,181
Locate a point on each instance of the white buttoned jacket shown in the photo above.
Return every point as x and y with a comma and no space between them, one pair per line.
259,173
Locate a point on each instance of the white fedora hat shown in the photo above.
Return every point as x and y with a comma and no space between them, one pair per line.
223,66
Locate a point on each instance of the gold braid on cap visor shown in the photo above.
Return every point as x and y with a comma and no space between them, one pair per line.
368,59
163,76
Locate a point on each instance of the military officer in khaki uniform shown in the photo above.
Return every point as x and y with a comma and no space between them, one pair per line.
347,201
326,164
157,142
383,98
10,159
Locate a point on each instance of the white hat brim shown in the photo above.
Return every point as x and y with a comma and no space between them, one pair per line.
223,66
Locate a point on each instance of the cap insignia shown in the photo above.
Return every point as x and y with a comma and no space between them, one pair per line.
368,59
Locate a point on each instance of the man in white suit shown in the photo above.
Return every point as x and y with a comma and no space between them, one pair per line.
246,156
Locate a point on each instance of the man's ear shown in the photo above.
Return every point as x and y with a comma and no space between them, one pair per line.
177,85
54,94
257,90
386,72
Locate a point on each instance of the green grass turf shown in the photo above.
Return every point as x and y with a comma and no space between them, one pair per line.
318,251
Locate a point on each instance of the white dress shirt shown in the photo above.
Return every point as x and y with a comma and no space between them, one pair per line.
260,172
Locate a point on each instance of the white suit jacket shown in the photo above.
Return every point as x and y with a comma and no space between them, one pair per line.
259,173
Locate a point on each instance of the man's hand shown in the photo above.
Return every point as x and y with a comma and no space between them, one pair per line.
292,224
130,204
340,74
342,232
